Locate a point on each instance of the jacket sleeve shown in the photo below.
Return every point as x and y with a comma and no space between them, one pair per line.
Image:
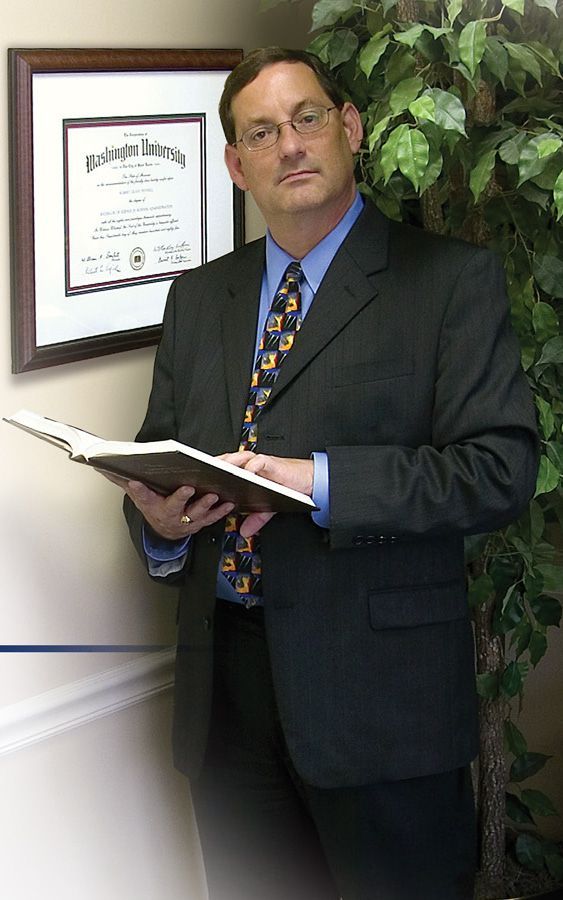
479,469
159,424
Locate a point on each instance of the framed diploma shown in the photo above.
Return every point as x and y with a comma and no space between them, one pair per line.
118,185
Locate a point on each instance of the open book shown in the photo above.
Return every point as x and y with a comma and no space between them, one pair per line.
166,465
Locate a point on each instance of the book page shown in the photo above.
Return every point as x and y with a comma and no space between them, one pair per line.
67,436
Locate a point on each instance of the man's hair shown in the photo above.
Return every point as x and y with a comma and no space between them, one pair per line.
252,65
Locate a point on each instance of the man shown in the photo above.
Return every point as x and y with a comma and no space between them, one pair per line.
325,705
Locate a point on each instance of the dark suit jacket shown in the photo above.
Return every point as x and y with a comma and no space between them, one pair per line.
407,373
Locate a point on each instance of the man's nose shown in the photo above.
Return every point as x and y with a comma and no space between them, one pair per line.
289,141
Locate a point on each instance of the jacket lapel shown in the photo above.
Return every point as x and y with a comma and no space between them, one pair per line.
239,314
345,290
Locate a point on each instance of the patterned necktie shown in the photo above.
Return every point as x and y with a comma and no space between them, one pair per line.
241,562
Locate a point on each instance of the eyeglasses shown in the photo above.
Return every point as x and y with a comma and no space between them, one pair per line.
260,137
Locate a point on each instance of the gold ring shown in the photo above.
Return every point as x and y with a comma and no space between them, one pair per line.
185,520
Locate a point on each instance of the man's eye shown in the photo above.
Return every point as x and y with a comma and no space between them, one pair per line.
311,117
259,135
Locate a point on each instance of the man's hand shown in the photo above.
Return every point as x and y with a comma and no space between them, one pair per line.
164,514
292,473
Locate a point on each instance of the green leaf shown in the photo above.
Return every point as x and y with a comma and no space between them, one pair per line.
319,46
516,5
343,44
548,176
521,636
410,36
555,454
548,272
413,152
537,521
433,169
389,207
453,9
549,145
558,195
404,93
480,590
401,65
547,610
552,583
389,161
535,154
472,44
537,802
524,59
495,58
546,55
511,681
510,151
532,193
423,108
377,131
551,5
529,851
548,477
327,12
372,52
481,174
511,610
488,685
546,417
552,353
516,810
537,647
515,740
526,765
449,110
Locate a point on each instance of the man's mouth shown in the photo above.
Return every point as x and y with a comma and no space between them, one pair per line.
297,175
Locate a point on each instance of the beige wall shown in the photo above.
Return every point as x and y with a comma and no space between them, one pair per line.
69,572
100,806
95,812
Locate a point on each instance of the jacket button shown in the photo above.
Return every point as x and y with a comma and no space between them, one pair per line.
206,623
358,540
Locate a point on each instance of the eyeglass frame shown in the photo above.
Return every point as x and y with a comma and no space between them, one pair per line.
327,109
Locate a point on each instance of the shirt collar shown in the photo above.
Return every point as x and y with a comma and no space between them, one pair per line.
317,261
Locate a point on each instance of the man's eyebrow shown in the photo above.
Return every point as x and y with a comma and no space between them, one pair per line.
307,103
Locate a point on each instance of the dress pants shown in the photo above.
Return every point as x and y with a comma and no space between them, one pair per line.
266,835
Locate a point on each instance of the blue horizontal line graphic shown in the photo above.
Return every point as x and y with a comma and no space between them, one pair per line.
81,648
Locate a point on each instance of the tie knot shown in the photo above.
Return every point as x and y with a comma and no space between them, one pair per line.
294,272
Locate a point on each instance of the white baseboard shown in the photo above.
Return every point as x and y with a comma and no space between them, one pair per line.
53,712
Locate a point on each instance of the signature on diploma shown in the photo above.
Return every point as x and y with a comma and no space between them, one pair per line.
173,254
108,263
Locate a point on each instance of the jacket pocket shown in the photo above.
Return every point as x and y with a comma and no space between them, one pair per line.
372,370
409,607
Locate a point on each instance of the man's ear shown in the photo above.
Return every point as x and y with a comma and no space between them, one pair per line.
352,124
233,163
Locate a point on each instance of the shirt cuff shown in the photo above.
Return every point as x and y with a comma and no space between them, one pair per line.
163,556
321,497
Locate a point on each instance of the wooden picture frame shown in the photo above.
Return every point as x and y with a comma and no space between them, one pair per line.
92,133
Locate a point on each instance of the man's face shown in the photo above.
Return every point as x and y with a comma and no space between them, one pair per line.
300,173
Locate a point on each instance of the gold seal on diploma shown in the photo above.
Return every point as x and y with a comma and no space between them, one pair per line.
137,258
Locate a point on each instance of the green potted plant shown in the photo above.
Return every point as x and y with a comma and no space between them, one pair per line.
462,104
